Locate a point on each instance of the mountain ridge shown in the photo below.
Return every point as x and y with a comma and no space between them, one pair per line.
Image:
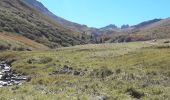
30,18
18,17
68,24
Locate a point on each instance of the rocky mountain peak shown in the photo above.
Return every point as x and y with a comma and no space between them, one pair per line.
110,27
125,26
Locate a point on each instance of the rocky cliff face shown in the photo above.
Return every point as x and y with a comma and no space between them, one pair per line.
125,26
110,27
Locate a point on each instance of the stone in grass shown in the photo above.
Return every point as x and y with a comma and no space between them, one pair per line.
134,93
76,73
102,98
166,41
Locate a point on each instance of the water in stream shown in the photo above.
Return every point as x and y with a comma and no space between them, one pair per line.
8,78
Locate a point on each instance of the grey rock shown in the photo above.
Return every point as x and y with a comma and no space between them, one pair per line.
166,41
101,97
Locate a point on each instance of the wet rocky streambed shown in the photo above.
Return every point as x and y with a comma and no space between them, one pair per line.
8,77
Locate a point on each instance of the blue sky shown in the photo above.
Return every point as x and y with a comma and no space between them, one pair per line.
99,13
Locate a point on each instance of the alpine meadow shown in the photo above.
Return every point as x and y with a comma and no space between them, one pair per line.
46,57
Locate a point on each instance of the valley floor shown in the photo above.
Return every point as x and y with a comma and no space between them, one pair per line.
125,71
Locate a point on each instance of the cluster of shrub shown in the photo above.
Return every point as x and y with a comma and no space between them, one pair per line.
6,46
36,29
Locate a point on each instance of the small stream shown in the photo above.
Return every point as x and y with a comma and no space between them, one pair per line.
8,78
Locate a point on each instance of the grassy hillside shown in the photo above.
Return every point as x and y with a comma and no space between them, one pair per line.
118,71
71,25
12,41
156,30
125,71
32,20
18,17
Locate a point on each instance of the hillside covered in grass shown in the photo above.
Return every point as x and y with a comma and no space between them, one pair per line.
15,42
31,19
125,71
62,60
148,30
16,16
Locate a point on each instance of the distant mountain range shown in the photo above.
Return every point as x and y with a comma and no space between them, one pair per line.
148,30
31,19
110,27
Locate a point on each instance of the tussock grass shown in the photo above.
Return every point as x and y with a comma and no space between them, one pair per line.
124,71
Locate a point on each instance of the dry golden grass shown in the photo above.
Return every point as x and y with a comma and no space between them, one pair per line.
23,40
121,71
